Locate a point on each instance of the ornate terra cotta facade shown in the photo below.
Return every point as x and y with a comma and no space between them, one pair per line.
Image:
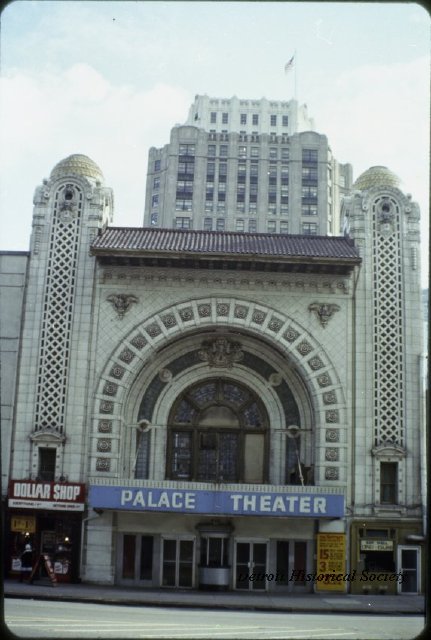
230,400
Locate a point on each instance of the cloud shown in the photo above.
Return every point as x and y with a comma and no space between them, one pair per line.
48,116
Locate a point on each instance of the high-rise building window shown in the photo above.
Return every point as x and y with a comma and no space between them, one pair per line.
309,175
255,119
154,219
239,224
273,153
184,188
155,201
284,208
240,206
285,154
388,482
182,223
224,118
272,174
243,118
309,210
211,150
284,227
213,117
156,183
220,224
186,170
285,121
309,155
284,175
309,195
209,190
187,150
210,169
222,171
242,152
309,228
157,165
254,152
209,205
183,204
271,226
273,121
252,226
252,208
208,224
272,208
221,208
223,150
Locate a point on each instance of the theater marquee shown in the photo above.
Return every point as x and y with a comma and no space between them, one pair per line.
217,502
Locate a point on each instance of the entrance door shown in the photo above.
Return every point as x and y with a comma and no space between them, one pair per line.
177,562
409,566
251,565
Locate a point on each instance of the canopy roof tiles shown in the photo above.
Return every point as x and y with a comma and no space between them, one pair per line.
140,241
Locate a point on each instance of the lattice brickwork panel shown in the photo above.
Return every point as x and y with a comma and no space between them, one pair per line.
388,324
57,309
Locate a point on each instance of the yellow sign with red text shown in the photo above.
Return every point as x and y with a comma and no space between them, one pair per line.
331,562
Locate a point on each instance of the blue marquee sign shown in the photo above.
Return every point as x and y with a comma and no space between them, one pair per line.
239,503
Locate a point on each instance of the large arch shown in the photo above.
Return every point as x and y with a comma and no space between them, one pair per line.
116,401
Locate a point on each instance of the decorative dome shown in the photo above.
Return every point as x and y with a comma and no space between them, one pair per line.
77,164
376,177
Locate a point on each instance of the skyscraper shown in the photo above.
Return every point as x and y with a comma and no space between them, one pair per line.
242,165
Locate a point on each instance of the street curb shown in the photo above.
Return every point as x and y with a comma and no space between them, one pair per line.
233,607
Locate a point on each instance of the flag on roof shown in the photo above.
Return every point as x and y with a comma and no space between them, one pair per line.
289,65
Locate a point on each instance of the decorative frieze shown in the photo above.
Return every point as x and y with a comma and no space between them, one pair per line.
204,310
324,380
153,330
117,371
258,317
103,464
332,435
127,355
332,473
104,426
304,348
332,454
169,320
240,311
104,445
110,389
139,341
222,309
315,363
275,324
330,397
186,314
332,416
291,335
106,406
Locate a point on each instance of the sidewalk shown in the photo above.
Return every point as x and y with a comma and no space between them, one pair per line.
295,603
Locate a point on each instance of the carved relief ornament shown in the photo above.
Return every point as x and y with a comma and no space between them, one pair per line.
122,302
221,352
323,311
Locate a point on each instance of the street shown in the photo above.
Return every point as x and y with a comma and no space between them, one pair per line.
35,619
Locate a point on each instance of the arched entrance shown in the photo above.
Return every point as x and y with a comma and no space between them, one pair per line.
218,432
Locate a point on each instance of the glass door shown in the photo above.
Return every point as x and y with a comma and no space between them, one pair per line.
177,562
409,566
251,558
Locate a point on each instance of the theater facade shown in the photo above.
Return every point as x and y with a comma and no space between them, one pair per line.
244,410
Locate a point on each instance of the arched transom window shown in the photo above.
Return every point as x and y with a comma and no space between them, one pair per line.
217,433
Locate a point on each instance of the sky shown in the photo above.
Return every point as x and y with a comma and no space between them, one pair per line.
110,80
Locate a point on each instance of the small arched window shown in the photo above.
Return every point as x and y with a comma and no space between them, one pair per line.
217,432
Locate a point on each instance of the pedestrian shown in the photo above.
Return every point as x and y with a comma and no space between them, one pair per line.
26,562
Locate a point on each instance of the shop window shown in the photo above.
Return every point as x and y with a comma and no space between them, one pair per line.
376,561
388,482
217,433
129,549
46,468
